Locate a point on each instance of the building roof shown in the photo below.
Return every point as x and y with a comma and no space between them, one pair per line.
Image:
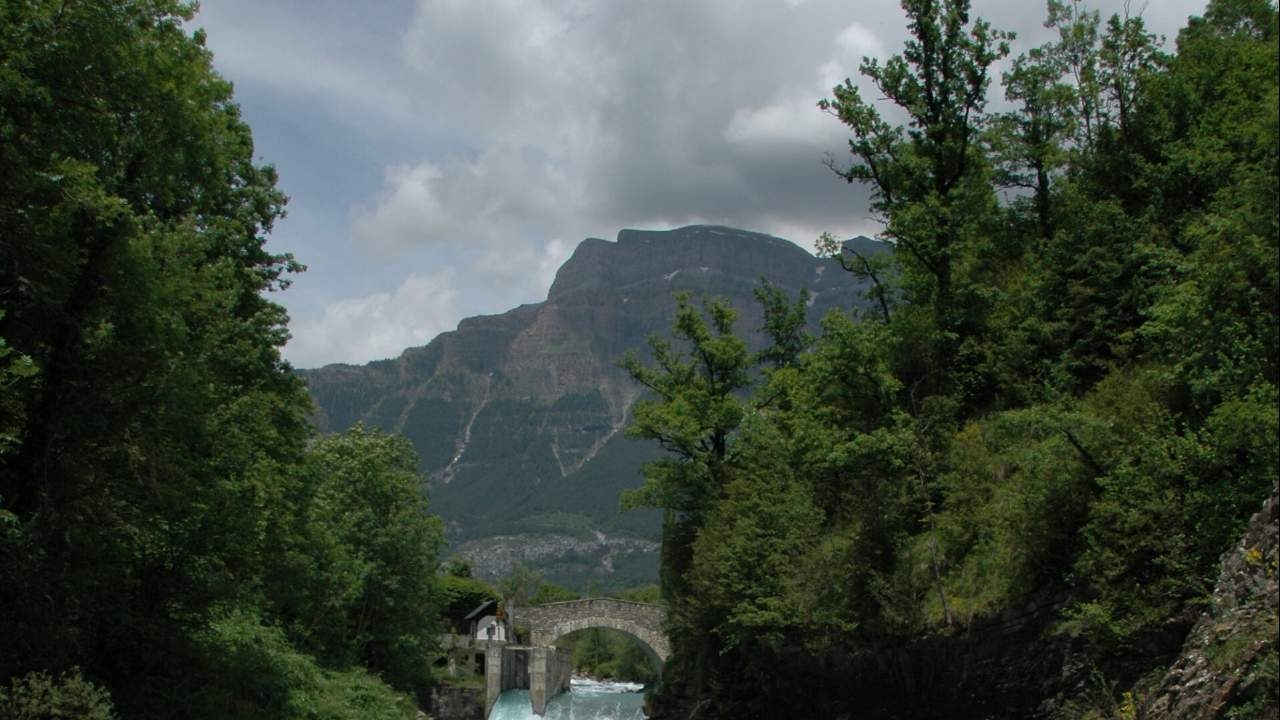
481,609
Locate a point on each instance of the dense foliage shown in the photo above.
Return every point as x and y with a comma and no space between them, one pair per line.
1066,385
164,526
607,654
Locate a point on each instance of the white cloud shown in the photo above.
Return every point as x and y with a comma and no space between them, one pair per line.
858,41
789,120
792,118
408,209
509,204
376,326
553,256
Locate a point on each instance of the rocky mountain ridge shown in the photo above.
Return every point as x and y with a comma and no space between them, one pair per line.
517,417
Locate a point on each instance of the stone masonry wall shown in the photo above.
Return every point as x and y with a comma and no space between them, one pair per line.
457,703
643,620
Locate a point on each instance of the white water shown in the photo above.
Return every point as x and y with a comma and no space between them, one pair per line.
586,700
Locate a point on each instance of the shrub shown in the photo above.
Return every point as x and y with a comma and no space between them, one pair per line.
37,696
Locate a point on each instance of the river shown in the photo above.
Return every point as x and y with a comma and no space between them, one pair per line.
586,700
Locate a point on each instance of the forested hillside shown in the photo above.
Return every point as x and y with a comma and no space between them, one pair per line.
171,543
1063,397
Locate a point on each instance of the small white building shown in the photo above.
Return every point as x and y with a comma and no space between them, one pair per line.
488,622
490,627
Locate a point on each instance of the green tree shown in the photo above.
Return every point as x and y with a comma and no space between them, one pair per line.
1017,492
592,652
253,672
458,568
1072,391
461,595
693,411
152,415
644,594
367,593
744,559
928,180
38,695
520,585
785,324
1029,144
1178,493
878,268
550,592
162,524
14,369
1219,185
634,664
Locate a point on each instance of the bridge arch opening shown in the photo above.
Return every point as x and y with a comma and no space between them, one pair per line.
610,653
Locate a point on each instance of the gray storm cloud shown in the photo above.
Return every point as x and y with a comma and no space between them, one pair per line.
508,130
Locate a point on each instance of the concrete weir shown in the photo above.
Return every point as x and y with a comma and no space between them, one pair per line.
544,671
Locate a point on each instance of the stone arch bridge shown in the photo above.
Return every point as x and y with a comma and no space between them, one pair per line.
547,623
544,669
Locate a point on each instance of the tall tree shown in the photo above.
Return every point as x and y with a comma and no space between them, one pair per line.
151,415
1029,144
360,583
929,179
1076,50
695,407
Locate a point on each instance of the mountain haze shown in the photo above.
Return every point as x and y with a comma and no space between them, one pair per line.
517,417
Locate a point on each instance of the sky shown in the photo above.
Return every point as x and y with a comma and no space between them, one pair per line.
444,157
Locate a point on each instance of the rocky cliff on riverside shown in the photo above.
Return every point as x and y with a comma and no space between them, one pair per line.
1228,665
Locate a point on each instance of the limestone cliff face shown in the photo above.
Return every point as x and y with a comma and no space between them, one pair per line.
517,417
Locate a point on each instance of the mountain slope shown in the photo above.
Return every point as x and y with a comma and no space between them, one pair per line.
517,417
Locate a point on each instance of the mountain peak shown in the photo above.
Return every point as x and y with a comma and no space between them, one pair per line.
643,255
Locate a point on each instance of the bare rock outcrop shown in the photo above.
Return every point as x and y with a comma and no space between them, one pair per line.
1228,663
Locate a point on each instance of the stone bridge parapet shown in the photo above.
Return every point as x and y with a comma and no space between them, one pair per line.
549,622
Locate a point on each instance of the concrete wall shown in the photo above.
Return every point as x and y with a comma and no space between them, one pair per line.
493,676
549,672
515,667
543,671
